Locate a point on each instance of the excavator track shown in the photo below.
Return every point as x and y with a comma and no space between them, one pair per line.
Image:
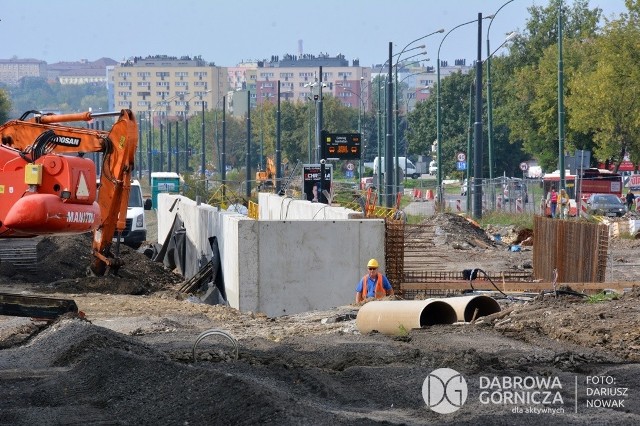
22,253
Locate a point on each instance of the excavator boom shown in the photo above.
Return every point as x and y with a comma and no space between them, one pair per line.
44,190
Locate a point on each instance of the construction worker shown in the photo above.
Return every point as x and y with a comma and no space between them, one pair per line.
374,284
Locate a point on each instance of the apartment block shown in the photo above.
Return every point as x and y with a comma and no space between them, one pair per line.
13,70
166,86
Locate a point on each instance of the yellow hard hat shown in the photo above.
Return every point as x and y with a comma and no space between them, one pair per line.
372,264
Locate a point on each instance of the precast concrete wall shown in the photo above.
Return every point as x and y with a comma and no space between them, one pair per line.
275,207
281,267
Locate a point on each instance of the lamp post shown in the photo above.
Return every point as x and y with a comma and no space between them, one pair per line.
560,101
361,107
438,116
396,166
395,121
490,101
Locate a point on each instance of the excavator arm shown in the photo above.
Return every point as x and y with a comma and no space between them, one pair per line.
44,190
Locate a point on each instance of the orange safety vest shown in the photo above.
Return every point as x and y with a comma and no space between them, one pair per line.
379,290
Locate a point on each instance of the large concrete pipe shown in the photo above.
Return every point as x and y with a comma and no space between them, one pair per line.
398,316
465,306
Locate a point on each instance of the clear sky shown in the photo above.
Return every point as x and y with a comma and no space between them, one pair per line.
229,32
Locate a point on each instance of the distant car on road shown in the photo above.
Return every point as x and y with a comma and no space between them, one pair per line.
605,205
433,168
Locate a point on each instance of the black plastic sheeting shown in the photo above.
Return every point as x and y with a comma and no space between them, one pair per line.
178,252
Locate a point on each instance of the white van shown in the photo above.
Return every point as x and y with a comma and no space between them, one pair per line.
135,231
405,164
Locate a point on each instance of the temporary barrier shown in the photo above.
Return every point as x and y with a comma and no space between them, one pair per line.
429,194
583,209
399,316
519,205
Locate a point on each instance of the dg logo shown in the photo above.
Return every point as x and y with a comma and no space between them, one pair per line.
444,390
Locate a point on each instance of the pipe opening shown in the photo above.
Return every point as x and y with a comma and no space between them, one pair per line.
485,305
437,312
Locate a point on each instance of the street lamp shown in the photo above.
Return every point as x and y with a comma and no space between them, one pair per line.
395,144
438,113
361,107
165,103
489,99
202,126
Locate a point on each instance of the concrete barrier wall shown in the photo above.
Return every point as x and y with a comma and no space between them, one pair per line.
274,207
281,267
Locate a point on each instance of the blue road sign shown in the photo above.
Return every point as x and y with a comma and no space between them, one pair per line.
461,165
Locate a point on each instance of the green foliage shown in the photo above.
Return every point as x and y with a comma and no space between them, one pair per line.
521,220
34,93
5,106
602,297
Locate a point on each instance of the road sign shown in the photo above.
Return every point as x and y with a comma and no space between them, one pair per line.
524,166
461,165
341,146
350,166
461,157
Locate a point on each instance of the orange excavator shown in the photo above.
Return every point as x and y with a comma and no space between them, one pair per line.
45,190
265,179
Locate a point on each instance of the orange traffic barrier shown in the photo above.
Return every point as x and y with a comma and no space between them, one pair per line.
429,195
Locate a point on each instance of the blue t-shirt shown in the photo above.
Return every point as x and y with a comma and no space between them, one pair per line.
371,285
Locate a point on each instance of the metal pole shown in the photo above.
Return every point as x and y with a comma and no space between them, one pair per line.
380,165
149,143
223,157
248,164
177,147
169,146
439,194
319,125
278,152
203,161
389,178
469,156
140,153
319,120
360,105
186,144
560,101
477,152
161,161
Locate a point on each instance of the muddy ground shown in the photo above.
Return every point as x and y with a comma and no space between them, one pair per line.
131,360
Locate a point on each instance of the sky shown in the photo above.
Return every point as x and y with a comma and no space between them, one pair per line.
228,33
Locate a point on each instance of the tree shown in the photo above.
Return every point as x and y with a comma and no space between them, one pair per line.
529,103
606,100
5,106
454,120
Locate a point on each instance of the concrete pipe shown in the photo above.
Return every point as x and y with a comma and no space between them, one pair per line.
465,306
398,316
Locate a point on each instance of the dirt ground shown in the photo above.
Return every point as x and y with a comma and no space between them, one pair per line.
131,360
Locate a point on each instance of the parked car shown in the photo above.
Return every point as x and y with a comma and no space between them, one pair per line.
605,205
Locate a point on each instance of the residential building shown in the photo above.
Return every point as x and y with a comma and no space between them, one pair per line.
80,72
166,86
13,70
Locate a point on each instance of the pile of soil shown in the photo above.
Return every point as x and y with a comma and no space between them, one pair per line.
63,266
